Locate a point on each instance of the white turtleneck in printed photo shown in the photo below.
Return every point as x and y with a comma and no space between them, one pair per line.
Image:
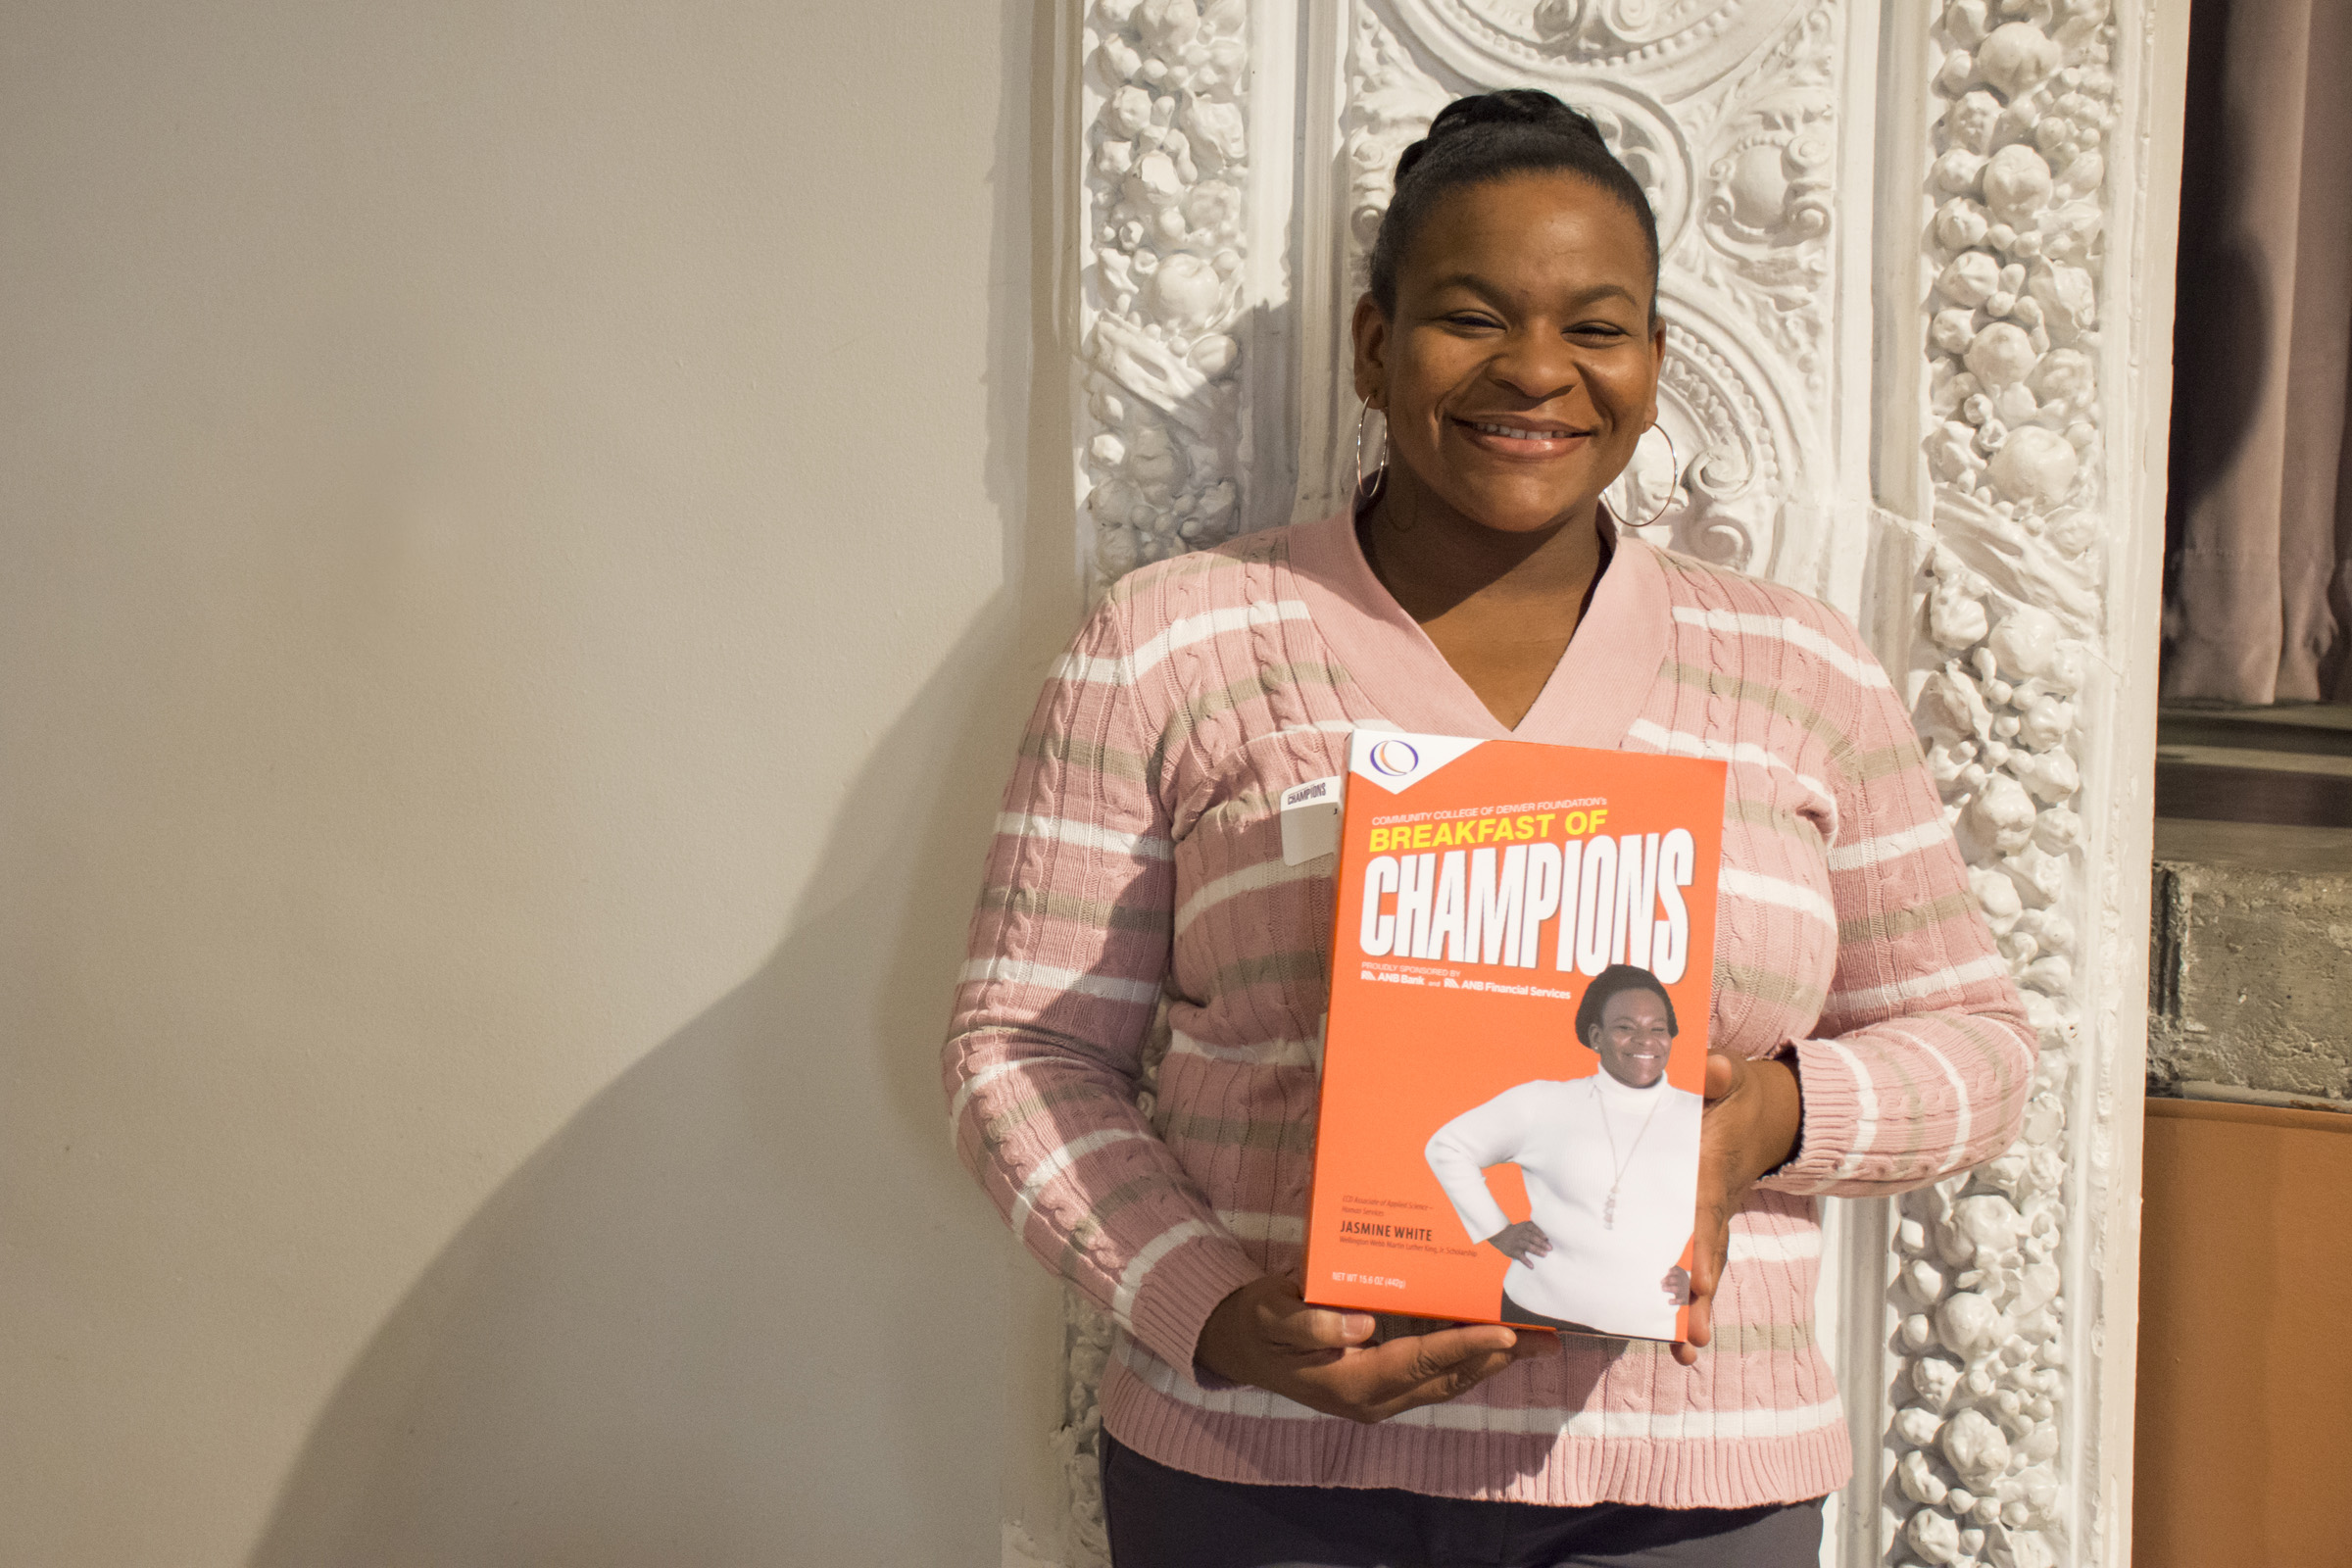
1612,1182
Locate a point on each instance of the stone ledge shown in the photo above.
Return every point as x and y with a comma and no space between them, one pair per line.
2252,951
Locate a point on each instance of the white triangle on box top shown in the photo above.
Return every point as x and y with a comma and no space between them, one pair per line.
1397,759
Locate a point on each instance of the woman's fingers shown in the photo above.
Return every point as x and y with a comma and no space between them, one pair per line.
1264,1334
1711,1245
1705,1270
1719,1155
1284,1319
1451,1383
1533,1342
1521,1241
1724,1072
1753,1114
1424,1368
1263,1330
1318,1328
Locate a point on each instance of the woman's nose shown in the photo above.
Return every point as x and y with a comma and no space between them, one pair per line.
1535,364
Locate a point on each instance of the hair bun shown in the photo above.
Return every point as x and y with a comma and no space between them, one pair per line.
1486,137
1513,105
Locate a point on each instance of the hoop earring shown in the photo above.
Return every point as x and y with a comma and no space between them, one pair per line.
1380,474
1674,462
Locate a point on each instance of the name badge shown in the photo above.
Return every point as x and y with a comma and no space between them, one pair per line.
1310,820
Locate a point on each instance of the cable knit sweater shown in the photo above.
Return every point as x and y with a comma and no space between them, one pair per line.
1138,861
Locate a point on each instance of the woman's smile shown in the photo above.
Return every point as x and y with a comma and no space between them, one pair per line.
1520,363
1523,440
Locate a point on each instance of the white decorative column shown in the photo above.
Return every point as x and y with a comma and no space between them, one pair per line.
1917,279
1182,277
2042,252
2040,236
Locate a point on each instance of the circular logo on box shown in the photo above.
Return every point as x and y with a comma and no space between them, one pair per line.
1394,758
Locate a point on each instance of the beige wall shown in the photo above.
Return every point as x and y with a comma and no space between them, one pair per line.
525,538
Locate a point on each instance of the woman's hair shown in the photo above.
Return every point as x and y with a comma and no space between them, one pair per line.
1615,980
1488,137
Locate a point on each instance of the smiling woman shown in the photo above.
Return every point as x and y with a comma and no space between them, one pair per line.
1478,587
1510,339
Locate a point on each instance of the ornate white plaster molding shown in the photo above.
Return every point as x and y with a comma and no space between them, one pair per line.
1991,1271
1164,288
1728,114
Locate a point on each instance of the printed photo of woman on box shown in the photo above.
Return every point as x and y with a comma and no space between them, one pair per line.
1611,1164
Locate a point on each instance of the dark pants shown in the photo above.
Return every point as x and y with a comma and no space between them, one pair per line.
1163,1518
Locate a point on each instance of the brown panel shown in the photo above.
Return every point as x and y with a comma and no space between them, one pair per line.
2217,794
2244,1429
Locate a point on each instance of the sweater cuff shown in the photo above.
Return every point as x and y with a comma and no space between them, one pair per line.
1168,1293
1830,1121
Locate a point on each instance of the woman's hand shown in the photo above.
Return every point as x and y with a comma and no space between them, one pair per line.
1264,1335
1522,1242
1752,1118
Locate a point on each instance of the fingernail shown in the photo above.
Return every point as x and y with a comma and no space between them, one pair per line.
1355,1325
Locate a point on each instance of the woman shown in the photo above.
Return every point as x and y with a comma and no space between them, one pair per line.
1610,1163
1866,1036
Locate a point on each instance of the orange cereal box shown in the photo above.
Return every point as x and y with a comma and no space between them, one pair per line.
1517,1044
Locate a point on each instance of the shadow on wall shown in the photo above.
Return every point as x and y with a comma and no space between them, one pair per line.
745,1307
647,1347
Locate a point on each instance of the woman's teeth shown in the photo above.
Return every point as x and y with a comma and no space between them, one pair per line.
1515,433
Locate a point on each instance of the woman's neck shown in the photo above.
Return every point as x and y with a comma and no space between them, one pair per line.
1499,607
1435,562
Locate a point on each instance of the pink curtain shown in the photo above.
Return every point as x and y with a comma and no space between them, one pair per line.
2259,581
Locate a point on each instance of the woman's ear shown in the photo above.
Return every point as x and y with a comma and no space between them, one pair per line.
1370,332
1657,366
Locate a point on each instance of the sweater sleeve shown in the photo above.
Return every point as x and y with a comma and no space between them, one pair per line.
1924,1059
1460,1153
1069,948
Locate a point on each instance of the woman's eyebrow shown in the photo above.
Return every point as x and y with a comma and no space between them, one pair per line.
1471,281
1487,290
1601,291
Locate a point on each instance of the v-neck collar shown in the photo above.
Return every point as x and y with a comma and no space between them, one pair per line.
1594,695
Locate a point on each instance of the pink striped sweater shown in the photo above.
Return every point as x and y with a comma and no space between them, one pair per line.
1139,859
